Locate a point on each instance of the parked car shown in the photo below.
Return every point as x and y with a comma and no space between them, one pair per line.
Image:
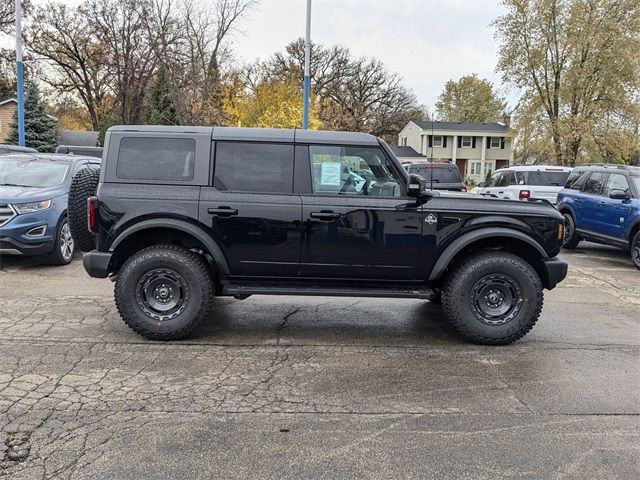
6,149
439,175
80,150
522,182
601,203
297,212
33,204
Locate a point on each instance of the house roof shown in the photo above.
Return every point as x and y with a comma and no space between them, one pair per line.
465,127
402,151
13,100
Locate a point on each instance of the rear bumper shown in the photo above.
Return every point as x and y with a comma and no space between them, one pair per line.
97,263
555,270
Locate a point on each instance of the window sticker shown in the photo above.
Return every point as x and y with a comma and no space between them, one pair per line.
330,173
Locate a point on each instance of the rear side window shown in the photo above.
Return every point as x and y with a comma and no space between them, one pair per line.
548,178
149,158
594,183
575,179
254,167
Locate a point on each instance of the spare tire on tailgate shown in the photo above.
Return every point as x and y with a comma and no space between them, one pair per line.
83,186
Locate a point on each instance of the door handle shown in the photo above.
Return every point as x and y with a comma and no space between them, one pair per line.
325,215
602,202
577,200
501,192
223,211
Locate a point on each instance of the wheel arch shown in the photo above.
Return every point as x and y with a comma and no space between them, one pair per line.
158,231
496,238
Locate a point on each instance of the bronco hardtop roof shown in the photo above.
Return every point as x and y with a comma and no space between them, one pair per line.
259,134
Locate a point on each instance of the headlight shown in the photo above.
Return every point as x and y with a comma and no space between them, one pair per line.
31,207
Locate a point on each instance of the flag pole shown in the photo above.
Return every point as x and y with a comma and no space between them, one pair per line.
307,55
19,73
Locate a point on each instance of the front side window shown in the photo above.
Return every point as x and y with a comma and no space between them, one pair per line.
466,142
594,184
343,170
437,141
495,142
254,167
31,172
150,158
617,182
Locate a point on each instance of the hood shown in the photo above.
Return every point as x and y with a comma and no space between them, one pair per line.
466,202
30,194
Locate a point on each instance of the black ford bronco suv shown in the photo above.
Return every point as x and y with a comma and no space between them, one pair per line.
179,215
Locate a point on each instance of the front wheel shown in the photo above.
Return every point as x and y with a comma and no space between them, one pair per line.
64,245
493,298
635,250
164,292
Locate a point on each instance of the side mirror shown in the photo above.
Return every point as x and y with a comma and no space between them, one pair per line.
417,185
617,194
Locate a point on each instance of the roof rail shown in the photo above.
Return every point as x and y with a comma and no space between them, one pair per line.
607,165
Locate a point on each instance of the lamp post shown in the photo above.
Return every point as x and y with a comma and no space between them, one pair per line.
307,55
19,73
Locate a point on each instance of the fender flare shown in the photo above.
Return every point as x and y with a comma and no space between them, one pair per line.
633,225
457,245
567,208
212,247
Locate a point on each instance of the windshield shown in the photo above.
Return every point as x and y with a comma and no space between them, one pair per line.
440,174
541,177
31,172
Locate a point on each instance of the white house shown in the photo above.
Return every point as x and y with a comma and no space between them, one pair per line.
476,148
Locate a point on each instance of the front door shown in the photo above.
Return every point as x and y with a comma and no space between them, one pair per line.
358,221
614,215
251,209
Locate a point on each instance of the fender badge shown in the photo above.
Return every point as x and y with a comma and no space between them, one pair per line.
431,219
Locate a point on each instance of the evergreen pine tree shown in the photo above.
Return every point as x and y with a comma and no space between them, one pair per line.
39,128
160,109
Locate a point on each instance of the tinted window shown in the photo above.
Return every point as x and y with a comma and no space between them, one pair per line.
595,183
148,158
617,182
353,171
575,179
547,178
503,180
254,167
441,174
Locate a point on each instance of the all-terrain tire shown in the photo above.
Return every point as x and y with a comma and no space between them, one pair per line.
571,239
194,284
635,250
460,297
83,186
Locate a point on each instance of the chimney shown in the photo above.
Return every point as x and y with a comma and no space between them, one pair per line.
505,120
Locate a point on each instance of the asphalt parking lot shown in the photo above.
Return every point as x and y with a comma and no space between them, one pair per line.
319,387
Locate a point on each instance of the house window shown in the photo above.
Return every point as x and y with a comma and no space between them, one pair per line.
495,142
466,142
404,141
437,141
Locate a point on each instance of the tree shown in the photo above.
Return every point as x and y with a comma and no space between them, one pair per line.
272,105
66,37
577,62
353,94
160,108
39,128
470,99
7,14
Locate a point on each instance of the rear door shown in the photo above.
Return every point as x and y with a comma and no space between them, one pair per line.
358,221
251,209
614,215
590,212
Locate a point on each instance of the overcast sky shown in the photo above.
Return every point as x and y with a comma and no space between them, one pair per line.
426,41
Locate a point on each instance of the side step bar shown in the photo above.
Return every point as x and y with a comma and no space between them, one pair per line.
244,291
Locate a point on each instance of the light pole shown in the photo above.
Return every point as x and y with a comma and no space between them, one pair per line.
19,73
307,55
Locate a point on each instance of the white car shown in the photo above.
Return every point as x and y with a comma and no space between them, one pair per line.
522,182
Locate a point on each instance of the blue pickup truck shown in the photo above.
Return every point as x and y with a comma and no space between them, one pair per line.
601,203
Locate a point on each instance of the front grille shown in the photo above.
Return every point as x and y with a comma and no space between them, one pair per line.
6,213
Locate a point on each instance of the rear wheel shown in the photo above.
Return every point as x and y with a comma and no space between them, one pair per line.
571,240
83,186
635,249
164,292
493,298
